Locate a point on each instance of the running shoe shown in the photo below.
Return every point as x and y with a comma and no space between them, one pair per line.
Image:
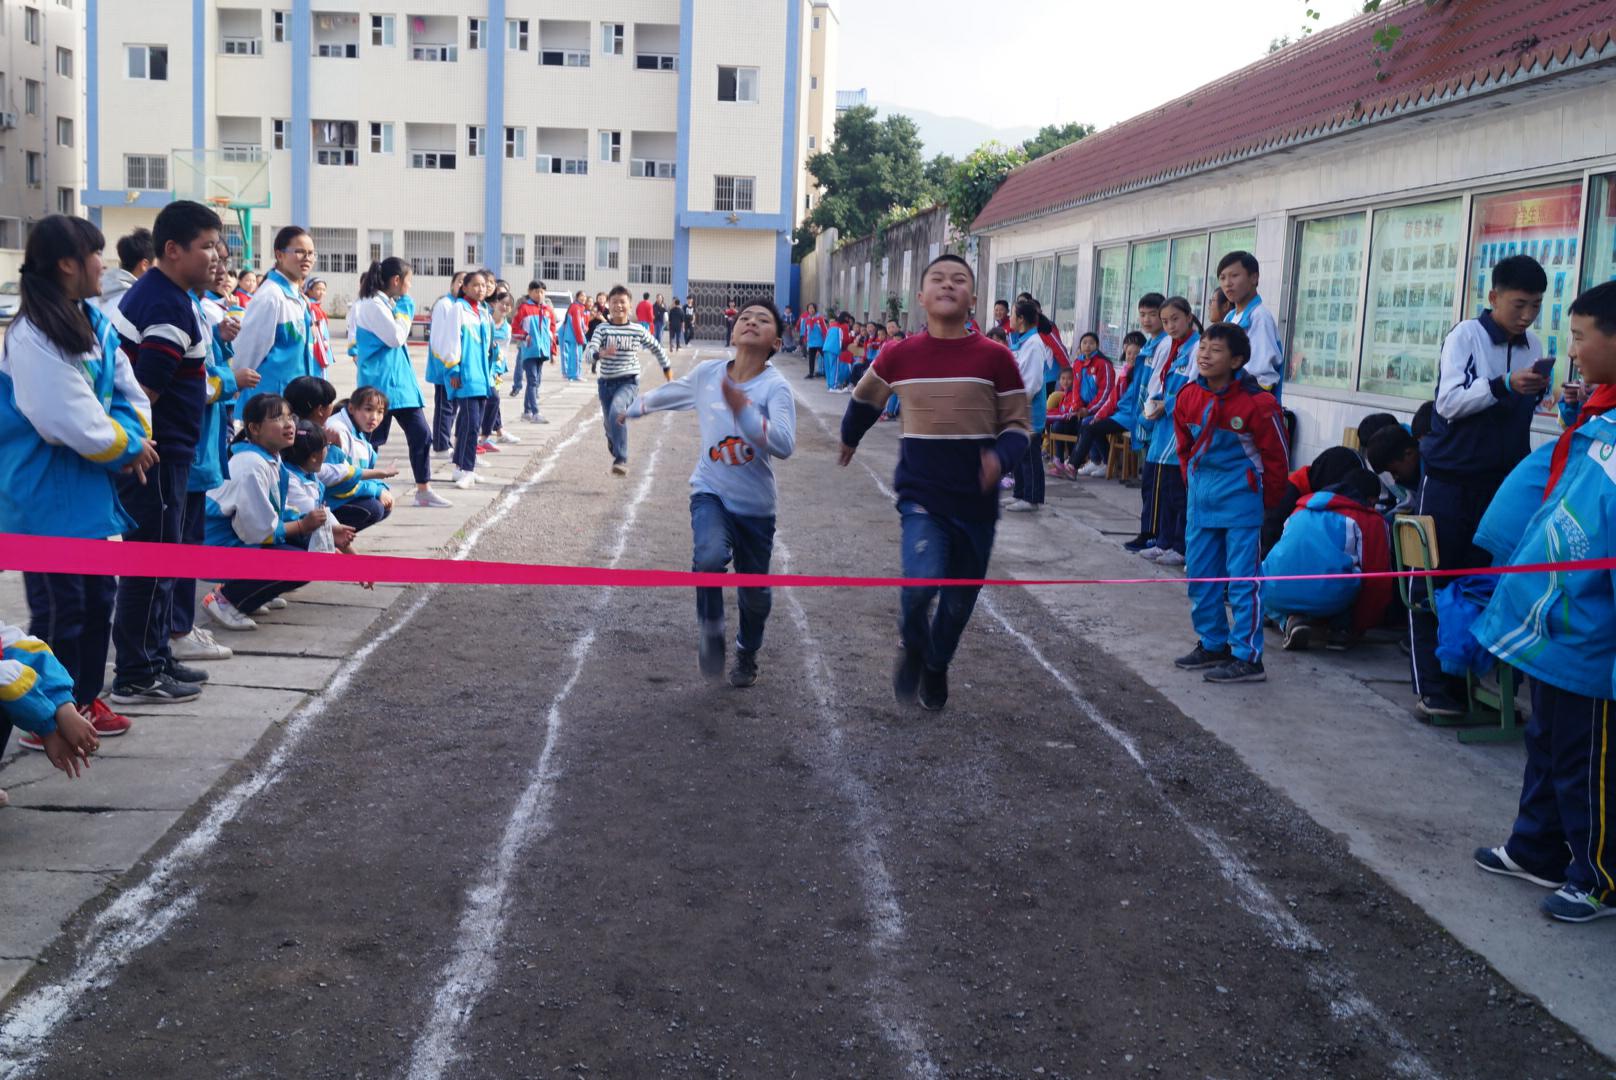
1496,860
1170,558
1152,553
1572,904
107,724
1139,543
507,438
1203,658
1021,506
180,673
744,672
1440,704
29,741
198,645
431,500
710,652
1093,468
906,676
223,612
280,603
619,468
1298,634
1237,671
160,689
933,689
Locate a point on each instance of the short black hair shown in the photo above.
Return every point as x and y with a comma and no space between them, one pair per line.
647,296
768,305
1359,484
135,249
1598,304
1244,258
619,290
1232,336
949,257
1132,337
308,443
1520,273
1028,311
1002,303
1373,424
182,222
535,285
307,393
1421,424
1152,301
1387,446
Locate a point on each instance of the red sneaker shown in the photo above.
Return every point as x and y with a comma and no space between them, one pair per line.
486,447
107,724
29,741
482,449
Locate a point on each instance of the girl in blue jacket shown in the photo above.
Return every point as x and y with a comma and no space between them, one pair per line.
463,340
277,333
1173,368
36,694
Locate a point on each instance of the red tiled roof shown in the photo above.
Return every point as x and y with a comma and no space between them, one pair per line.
1323,85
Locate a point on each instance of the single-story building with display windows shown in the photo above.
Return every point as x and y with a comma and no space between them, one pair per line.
1376,199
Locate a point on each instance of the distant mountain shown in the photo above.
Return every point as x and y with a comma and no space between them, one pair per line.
955,135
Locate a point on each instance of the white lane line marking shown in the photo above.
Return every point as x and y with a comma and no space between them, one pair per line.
474,963
144,912
894,1012
1331,981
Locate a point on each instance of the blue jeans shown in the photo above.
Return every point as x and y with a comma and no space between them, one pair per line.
616,395
722,536
144,614
940,547
533,368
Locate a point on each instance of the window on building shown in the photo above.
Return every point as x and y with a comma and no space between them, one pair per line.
277,134
558,258
64,131
380,244
813,82
336,251
34,168
241,45
606,252
10,233
382,30
1186,270
31,25
241,153
430,254
1066,297
733,193
611,39
64,62
336,142
516,39
564,57
147,62
1327,309
33,93
337,50
1111,315
476,140
512,250
516,149
432,159
738,84
812,142
279,27
145,172
474,250
1148,271
611,146
381,137
1541,222
647,61
816,22
1413,292
652,169
235,240
476,33
650,262
1600,248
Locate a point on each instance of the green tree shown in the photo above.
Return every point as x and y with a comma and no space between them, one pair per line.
976,179
939,171
871,166
1052,137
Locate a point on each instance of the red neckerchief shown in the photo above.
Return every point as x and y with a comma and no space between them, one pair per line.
1603,401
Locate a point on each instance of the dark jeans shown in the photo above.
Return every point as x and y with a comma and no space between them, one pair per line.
676,334
468,432
361,514
813,359
493,416
1457,506
1092,443
444,410
144,613
1172,503
416,433
940,547
616,395
533,367
1030,472
72,613
196,509
721,537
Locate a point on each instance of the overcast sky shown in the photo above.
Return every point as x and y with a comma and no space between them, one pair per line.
1098,61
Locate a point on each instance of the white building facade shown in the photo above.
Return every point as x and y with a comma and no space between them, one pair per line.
652,143
41,112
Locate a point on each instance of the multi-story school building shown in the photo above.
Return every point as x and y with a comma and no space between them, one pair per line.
1377,189
41,112
654,143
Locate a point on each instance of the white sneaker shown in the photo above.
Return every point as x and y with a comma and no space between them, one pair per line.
198,645
431,500
225,614
538,418
443,455
1021,506
465,481
461,474
1171,558
280,603
1152,553
507,437
1093,468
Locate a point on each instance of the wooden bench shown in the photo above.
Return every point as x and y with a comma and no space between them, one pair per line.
1121,463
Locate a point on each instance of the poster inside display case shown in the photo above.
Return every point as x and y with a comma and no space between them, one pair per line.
1329,272
1413,284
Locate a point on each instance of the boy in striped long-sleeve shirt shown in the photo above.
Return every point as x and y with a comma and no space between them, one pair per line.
614,356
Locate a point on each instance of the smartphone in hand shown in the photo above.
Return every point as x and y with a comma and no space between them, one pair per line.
1545,367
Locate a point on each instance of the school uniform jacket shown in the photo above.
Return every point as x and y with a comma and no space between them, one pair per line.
1331,533
464,342
1098,386
1170,373
535,326
1231,446
816,329
249,509
207,468
1032,358
382,335
68,426
1480,426
277,337
1131,401
1267,363
33,683
346,461
577,324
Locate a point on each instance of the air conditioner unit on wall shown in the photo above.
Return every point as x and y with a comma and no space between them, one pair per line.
8,120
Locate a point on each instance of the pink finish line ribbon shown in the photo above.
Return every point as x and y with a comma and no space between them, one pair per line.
58,555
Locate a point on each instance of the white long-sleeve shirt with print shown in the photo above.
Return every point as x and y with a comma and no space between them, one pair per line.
737,450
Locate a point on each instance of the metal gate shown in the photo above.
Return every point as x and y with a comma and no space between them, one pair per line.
712,297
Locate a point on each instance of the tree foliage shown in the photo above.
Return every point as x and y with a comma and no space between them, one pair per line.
1052,137
871,166
976,179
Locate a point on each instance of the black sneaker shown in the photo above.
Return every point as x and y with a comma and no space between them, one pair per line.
1237,671
1138,543
743,672
1298,634
1495,860
180,673
906,676
160,689
1340,640
1441,703
1203,658
711,654
933,689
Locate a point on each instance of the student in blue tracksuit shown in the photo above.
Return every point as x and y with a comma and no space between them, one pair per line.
444,406
500,305
1238,274
464,340
1556,627
1131,415
277,333
362,500
36,694
814,329
831,349
538,334
1172,368
73,421
1231,444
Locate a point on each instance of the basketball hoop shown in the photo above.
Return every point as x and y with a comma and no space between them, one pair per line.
221,202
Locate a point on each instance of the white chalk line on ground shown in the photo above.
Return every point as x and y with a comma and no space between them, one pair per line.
468,973
894,1012
1346,1003
144,912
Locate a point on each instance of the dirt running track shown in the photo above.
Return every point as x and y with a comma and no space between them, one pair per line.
529,840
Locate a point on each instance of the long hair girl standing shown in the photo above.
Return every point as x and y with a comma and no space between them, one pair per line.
444,407
1174,368
464,343
72,420
500,305
381,319
277,333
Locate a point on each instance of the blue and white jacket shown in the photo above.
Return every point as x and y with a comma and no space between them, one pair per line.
207,468
33,683
1231,444
1267,363
68,426
382,336
539,340
250,508
346,461
1131,406
442,312
277,337
1033,358
464,342
1556,626
1166,380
